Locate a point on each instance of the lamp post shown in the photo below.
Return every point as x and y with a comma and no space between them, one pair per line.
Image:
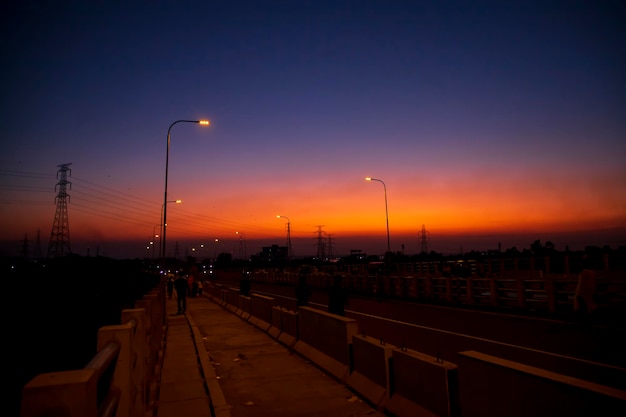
289,251
167,157
386,211
242,244
215,248
162,232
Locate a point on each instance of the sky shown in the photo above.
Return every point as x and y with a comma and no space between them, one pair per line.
487,123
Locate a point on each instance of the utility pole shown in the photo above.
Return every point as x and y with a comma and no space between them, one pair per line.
60,235
289,248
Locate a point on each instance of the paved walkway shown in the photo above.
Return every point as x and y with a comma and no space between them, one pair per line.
216,364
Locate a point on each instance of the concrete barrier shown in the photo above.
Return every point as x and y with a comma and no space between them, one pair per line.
245,307
289,334
216,292
223,297
138,376
232,300
119,379
261,311
370,369
129,374
211,290
153,348
276,325
69,393
492,386
422,385
326,340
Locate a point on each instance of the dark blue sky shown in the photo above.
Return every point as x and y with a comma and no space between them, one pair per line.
503,104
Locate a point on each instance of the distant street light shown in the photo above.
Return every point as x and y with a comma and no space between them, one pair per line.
163,225
242,244
215,248
167,157
154,236
386,211
289,251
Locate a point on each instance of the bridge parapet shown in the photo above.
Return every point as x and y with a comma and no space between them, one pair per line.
524,390
122,378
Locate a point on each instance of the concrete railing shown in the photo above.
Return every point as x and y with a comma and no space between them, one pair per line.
405,382
524,390
261,311
326,339
121,380
421,384
371,361
508,290
86,392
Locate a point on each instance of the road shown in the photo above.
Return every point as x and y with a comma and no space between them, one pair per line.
590,352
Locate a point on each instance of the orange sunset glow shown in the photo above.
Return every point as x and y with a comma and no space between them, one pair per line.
482,135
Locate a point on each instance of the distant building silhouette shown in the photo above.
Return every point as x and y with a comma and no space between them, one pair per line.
273,254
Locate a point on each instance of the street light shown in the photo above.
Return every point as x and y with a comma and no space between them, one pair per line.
242,244
289,251
167,157
154,236
163,225
386,211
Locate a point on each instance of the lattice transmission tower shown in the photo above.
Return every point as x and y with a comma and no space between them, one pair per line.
329,251
60,236
320,243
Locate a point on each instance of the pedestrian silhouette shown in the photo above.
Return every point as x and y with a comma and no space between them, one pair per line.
181,293
337,297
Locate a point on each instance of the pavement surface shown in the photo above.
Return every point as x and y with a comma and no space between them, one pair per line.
217,364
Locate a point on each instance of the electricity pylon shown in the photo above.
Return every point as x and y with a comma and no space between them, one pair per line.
60,236
424,240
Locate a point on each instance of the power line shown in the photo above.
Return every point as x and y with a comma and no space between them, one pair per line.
104,202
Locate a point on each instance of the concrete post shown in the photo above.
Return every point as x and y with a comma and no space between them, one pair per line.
122,378
65,394
138,407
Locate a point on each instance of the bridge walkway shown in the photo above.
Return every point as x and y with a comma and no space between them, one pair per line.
216,364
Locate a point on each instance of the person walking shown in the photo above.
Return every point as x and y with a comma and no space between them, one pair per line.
181,286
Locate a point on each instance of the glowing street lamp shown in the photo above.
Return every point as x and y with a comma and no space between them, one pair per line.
386,211
242,244
167,157
154,236
163,225
289,251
